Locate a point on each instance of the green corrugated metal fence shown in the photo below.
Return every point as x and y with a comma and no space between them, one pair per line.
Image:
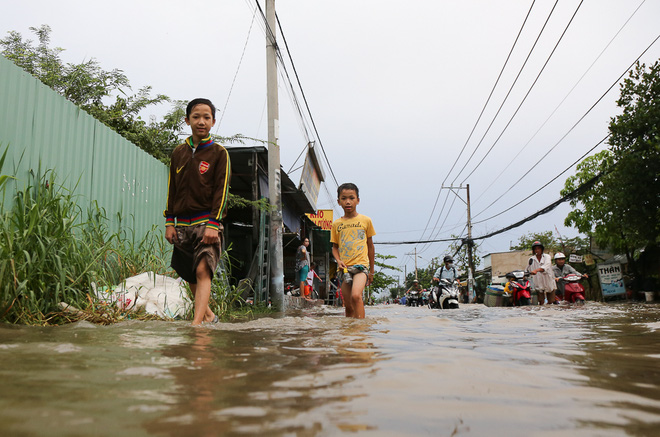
43,129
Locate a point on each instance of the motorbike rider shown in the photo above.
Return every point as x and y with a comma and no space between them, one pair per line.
562,269
540,267
415,287
446,271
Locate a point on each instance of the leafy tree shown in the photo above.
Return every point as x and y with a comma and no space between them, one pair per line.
622,209
547,238
459,251
424,276
381,280
552,244
89,86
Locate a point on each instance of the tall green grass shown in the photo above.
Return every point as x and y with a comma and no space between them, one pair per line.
52,250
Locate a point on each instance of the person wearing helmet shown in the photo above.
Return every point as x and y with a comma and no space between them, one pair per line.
415,287
562,269
446,271
543,276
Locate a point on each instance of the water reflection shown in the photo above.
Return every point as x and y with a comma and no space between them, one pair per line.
623,360
591,370
275,376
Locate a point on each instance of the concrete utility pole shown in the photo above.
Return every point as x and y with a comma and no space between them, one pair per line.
276,255
415,254
470,243
416,263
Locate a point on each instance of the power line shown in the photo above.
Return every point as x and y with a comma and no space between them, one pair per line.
548,183
576,192
526,95
318,137
477,122
270,34
491,92
240,61
579,190
529,171
505,168
509,92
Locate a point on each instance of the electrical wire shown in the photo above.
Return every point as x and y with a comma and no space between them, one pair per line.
273,41
318,137
579,190
284,71
548,183
504,169
545,155
508,93
569,196
240,61
491,92
526,95
476,123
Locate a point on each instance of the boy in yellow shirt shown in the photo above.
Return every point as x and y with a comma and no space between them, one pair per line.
353,248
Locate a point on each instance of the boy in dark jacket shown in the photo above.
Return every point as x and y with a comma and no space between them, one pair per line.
197,192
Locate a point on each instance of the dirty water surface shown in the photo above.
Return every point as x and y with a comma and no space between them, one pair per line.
592,370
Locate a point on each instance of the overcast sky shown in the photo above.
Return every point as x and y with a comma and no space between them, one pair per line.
395,89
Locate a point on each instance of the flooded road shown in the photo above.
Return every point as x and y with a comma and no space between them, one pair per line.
592,371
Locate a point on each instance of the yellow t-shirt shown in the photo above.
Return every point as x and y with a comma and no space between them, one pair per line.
350,235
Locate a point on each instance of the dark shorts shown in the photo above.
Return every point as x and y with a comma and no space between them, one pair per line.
189,251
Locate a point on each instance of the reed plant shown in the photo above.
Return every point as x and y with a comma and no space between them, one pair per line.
228,301
52,250
43,256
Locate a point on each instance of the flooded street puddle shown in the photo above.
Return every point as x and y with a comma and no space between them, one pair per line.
591,370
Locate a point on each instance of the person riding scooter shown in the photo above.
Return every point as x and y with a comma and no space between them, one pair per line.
561,270
446,271
414,294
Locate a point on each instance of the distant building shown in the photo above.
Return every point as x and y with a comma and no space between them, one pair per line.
498,264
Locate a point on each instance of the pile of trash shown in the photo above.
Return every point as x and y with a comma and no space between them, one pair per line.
149,292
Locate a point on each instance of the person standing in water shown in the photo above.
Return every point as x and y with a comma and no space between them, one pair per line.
197,191
353,248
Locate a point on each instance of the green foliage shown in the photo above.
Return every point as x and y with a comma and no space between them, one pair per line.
4,178
622,210
460,253
424,275
552,244
49,253
89,86
235,201
635,144
228,301
381,280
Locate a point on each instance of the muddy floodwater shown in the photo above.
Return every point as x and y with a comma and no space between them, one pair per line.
576,371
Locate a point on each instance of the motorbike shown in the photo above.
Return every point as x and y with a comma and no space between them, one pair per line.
521,291
445,295
289,289
414,298
573,289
